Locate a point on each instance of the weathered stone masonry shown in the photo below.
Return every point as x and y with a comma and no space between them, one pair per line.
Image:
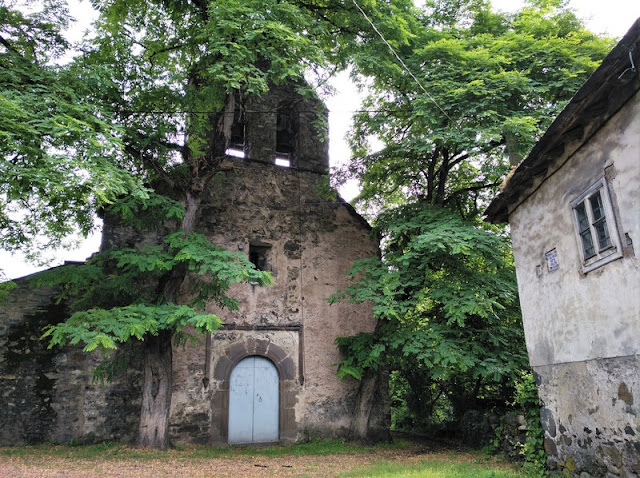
309,244
281,220
48,395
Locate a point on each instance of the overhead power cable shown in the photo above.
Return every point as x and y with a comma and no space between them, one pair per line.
404,65
206,112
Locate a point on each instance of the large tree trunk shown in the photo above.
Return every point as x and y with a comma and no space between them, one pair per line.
371,420
153,431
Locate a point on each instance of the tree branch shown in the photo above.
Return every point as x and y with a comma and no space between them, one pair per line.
477,187
170,145
431,173
443,173
9,46
458,160
164,50
151,163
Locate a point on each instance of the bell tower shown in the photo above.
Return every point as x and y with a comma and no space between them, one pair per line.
282,127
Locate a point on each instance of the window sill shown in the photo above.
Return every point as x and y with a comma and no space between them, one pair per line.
603,258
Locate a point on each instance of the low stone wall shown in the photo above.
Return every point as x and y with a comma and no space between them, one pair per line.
26,367
47,395
590,416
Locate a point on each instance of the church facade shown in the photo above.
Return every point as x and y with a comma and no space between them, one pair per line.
269,373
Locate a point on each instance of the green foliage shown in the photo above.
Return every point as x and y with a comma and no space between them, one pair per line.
416,406
326,191
490,84
146,102
144,99
127,275
57,152
146,212
104,329
5,289
116,298
444,295
431,469
168,70
533,451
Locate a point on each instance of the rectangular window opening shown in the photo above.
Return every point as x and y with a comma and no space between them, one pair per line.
593,217
238,133
259,256
287,126
235,152
283,161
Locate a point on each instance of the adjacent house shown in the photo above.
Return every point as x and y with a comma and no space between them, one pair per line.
573,206
269,374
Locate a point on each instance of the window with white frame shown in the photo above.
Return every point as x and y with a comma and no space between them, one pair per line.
596,227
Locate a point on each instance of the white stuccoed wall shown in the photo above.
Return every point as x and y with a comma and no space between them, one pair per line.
570,316
583,330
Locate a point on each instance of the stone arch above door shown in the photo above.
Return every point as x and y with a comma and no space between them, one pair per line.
288,387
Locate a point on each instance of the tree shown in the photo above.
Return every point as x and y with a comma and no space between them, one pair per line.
164,79
445,298
57,151
488,84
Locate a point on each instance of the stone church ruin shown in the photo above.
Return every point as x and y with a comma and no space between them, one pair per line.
269,374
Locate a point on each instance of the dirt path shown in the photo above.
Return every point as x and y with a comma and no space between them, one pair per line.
312,466
186,463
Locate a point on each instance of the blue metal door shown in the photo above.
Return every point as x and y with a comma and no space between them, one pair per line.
253,401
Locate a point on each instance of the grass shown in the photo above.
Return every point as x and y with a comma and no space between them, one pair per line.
402,458
430,469
109,450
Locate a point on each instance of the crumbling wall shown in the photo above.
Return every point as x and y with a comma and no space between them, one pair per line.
26,387
592,425
309,117
48,394
310,242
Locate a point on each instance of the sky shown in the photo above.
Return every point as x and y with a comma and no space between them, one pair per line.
612,17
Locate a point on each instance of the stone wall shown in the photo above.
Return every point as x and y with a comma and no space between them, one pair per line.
309,242
592,426
309,138
47,395
26,368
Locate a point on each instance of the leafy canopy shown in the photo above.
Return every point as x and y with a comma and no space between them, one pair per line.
445,299
489,85
176,71
116,298
57,153
446,290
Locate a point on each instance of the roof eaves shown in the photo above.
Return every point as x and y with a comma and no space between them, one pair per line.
602,95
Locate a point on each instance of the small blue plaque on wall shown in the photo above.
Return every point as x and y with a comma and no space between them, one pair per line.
552,260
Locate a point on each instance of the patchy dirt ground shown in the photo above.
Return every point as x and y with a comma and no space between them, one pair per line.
189,462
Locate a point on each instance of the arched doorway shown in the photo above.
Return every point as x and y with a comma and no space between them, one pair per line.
253,401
